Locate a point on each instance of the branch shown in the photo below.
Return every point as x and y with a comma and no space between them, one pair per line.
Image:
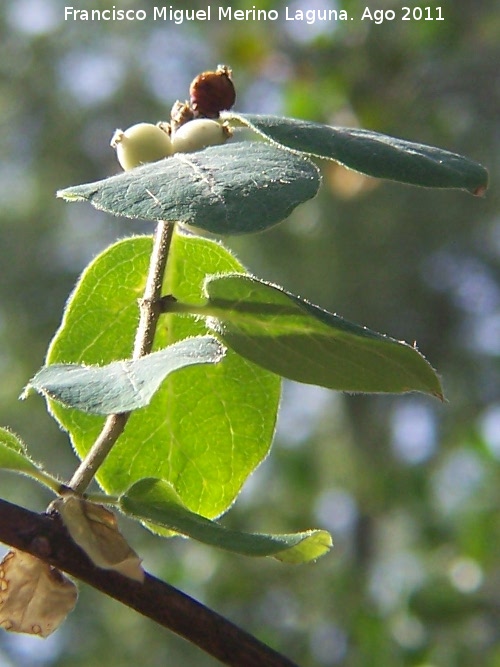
45,537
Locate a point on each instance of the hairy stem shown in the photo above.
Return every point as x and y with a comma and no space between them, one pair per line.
149,305
111,431
149,314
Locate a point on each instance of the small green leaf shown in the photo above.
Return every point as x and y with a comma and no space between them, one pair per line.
156,501
207,427
300,341
231,189
371,153
14,456
122,386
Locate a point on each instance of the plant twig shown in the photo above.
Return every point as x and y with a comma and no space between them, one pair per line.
149,305
149,313
111,431
45,537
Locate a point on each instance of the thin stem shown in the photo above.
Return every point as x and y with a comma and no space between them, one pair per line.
149,305
111,431
47,480
143,344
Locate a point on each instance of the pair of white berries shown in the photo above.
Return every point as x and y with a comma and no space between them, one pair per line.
146,142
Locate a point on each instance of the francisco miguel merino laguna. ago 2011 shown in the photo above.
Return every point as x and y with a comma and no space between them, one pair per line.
178,16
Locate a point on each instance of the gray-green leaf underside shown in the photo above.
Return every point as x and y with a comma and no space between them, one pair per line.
122,386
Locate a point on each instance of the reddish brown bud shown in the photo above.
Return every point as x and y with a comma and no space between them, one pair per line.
211,92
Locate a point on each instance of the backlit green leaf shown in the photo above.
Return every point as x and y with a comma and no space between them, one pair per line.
300,341
207,427
230,189
14,457
13,454
372,153
122,386
154,500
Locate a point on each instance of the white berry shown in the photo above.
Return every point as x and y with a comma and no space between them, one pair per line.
199,133
140,144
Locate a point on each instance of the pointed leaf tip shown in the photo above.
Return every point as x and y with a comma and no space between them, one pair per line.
480,191
65,194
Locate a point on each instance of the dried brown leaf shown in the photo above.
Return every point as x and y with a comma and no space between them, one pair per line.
95,529
34,597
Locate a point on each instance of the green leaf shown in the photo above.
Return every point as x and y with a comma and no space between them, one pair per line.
291,337
13,454
154,500
207,427
371,153
122,386
230,189
14,457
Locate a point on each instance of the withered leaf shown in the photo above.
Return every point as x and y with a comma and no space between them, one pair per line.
35,597
95,529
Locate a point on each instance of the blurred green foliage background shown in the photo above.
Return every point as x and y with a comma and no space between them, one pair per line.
409,487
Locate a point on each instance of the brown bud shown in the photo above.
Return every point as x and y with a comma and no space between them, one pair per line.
211,92
181,113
